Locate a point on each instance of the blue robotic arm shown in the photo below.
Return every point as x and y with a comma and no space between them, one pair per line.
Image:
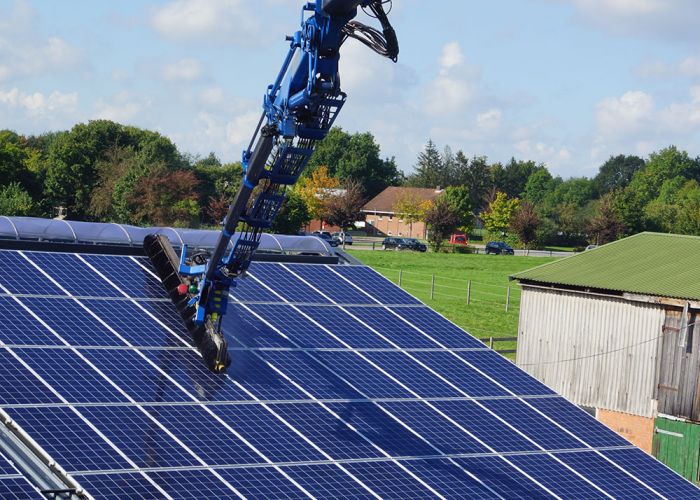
299,108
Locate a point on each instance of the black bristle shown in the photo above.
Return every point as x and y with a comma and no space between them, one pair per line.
210,343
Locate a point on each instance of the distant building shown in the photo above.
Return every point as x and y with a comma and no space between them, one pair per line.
613,329
382,220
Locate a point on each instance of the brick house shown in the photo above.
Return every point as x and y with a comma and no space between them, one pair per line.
381,219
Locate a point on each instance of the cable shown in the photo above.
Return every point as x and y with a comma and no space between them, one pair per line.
382,42
630,346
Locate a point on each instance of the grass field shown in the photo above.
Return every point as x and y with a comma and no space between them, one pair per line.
485,316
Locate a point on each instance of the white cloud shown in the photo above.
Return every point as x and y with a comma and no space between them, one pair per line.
240,130
490,120
121,108
633,123
227,21
542,152
186,70
455,85
690,67
37,103
621,116
23,52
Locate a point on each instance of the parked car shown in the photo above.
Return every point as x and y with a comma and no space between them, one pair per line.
414,244
499,248
343,237
403,244
591,247
325,235
459,239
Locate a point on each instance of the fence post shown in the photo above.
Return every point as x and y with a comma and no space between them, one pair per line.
508,298
432,288
373,245
490,342
469,292
400,277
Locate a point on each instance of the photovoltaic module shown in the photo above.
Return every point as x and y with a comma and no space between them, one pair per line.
342,385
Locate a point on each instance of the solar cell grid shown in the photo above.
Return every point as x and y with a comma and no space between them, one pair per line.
139,436
120,486
18,488
375,284
169,428
72,323
557,477
329,284
439,329
343,327
68,439
71,376
607,476
135,325
286,285
19,327
290,322
72,275
6,467
18,385
18,275
128,274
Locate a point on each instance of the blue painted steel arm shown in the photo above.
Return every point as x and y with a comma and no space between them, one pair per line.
299,108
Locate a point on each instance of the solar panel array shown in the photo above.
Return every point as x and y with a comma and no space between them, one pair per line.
342,385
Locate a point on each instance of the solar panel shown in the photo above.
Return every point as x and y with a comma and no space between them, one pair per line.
342,385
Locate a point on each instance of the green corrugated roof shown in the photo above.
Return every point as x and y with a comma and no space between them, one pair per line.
666,265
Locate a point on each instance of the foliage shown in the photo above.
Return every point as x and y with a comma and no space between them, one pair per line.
15,201
512,178
293,215
525,224
410,209
357,157
344,208
441,220
606,225
616,173
459,200
430,169
500,212
316,189
165,197
539,185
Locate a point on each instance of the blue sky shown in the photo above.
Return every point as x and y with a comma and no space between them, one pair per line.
564,82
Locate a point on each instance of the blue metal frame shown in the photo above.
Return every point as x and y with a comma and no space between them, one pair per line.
299,108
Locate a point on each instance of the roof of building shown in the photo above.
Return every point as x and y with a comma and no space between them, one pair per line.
665,265
386,200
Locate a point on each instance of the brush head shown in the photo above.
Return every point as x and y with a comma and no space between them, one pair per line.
209,341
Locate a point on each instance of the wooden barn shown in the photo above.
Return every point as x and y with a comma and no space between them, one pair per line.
613,329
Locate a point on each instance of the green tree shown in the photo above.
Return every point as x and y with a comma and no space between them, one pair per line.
429,169
15,201
357,157
539,185
512,178
458,198
617,173
500,212
293,216
441,220
478,180
13,155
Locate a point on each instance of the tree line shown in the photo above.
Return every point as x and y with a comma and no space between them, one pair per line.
108,172
523,203
105,171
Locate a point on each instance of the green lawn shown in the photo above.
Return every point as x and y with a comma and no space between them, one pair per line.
485,316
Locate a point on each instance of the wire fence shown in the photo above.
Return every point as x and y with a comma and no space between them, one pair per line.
469,291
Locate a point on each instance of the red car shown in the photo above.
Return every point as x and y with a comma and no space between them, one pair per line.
459,239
